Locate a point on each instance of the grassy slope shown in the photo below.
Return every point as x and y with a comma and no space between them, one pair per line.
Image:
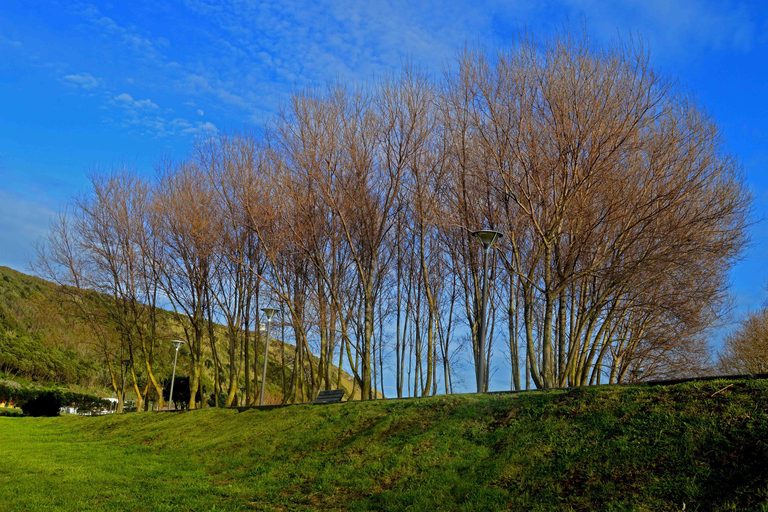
620,448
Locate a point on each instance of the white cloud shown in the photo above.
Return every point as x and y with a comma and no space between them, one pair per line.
161,127
127,101
84,80
207,127
124,98
144,104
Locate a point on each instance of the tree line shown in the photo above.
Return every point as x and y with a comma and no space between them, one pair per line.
353,210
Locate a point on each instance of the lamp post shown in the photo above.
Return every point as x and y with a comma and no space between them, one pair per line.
487,238
242,392
282,352
177,344
126,363
269,313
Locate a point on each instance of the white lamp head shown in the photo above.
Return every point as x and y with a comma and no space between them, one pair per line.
269,313
487,237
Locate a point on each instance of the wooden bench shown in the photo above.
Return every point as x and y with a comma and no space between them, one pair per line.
332,396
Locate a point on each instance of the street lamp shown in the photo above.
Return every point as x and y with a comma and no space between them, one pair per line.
269,313
242,394
177,344
487,238
126,363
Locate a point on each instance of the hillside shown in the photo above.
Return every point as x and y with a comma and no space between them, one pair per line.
45,340
40,340
694,446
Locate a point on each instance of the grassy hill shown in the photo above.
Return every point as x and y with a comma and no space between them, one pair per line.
43,340
694,446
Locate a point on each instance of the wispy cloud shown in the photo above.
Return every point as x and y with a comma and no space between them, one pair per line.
679,29
10,42
141,45
247,57
149,125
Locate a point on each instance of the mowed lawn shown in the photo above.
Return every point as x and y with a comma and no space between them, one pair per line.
695,446
45,464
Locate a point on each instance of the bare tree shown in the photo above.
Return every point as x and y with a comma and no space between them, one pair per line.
188,226
103,247
622,213
746,349
610,182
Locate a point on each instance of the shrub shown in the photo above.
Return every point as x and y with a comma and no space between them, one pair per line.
46,404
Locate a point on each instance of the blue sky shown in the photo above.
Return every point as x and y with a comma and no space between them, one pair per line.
85,85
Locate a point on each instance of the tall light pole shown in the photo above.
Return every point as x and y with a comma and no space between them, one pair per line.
126,363
487,238
269,313
282,352
177,344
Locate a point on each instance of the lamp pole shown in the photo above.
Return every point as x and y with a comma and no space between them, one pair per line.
282,352
177,344
269,313
126,363
487,238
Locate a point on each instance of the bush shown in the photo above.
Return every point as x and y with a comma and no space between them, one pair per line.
181,392
12,413
18,395
46,404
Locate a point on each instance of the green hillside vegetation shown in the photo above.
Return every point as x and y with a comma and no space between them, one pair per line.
694,446
45,340
40,339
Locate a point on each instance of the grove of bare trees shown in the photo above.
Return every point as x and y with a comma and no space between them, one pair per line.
352,211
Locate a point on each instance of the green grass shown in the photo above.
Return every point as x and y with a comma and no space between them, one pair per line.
633,448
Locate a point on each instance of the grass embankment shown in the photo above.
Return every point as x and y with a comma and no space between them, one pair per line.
620,448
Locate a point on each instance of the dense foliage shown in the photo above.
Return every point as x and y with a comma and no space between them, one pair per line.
39,339
30,357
